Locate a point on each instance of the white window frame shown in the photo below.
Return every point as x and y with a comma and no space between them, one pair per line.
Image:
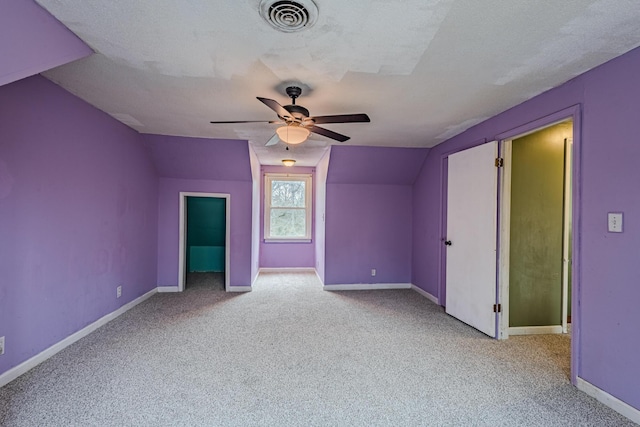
268,178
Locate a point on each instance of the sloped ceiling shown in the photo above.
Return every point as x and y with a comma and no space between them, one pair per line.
424,70
32,41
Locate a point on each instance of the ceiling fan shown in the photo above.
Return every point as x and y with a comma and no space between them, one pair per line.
298,123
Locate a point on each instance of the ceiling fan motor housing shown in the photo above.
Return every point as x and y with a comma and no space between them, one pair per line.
297,111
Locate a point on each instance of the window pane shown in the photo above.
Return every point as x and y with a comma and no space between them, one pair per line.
288,194
288,223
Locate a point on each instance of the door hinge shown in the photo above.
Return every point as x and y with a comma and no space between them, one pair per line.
499,162
497,308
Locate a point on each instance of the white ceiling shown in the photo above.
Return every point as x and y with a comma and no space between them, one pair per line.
423,70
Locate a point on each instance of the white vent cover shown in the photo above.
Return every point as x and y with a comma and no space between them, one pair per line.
288,15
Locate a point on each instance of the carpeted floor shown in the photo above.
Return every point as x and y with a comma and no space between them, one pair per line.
291,354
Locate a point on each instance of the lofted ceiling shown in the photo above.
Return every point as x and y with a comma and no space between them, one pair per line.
423,70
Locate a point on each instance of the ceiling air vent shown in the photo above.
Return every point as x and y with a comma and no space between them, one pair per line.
289,16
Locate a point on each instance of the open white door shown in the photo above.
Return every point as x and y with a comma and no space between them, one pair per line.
472,193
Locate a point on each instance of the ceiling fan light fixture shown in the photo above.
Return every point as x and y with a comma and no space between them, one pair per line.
293,134
288,162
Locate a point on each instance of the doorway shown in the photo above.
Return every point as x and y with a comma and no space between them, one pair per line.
571,256
204,243
536,231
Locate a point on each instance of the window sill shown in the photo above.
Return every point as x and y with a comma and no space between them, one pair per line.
287,240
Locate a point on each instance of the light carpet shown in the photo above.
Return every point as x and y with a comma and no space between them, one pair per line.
291,354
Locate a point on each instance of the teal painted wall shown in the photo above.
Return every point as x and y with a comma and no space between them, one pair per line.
206,219
537,203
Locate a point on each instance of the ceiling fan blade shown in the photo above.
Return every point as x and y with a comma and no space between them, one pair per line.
273,141
279,109
328,133
246,121
342,118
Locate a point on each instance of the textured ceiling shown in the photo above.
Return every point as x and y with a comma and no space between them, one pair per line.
424,70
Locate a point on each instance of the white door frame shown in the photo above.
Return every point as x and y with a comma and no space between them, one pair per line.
566,228
504,238
504,227
182,245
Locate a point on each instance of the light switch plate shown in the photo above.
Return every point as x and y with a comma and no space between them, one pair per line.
615,222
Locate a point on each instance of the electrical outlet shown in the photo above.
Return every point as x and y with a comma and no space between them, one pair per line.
373,272
1,346
119,291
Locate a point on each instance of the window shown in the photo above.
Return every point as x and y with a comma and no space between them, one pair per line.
287,207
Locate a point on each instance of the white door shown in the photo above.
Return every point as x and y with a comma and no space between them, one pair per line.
472,197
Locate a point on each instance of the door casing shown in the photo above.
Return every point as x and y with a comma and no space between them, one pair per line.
504,233
182,245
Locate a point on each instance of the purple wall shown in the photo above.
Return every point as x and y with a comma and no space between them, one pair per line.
352,164
369,214
606,344
169,231
33,41
610,274
78,208
287,255
208,166
368,226
428,192
200,158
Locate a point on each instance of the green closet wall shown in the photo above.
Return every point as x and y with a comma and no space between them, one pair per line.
206,227
537,207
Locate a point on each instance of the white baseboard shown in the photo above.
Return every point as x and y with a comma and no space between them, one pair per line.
286,270
612,402
25,366
425,294
366,286
239,289
164,289
535,330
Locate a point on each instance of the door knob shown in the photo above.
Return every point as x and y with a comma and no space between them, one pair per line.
447,242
